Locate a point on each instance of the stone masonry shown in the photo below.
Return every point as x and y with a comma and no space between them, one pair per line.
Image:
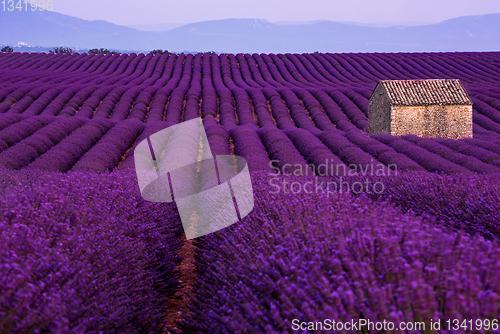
426,108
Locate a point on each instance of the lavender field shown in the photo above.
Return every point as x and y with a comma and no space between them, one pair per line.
417,239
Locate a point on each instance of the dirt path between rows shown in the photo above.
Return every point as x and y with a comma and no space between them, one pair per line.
177,304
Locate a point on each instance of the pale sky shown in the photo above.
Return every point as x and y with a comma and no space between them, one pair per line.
130,12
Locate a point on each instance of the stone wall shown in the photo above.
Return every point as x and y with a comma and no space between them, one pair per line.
454,122
379,111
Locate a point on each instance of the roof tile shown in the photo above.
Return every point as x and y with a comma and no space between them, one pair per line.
426,92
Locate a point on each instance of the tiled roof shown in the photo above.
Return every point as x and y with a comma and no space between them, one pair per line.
426,92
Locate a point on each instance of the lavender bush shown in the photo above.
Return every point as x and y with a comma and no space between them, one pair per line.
309,258
84,254
465,202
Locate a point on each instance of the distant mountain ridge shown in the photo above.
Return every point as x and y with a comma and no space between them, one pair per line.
50,29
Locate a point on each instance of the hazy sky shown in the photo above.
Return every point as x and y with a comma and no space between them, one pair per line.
129,12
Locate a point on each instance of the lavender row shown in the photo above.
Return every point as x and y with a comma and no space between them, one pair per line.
218,137
247,144
110,150
287,271
318,70
68,151
430,161
99,258
243,106
159,101
175,105
7,120
122,108
383,153
150,129
464,202
27,150
480,153
226,107
350,153
88,108
316,153
193,94
23,128
283,154
449,154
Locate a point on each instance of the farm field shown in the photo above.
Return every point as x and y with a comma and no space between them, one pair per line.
82,252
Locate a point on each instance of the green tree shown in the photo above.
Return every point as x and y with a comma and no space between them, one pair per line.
160,51
61,50
7,48
101,50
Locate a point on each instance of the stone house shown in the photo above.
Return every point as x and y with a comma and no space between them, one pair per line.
426,108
